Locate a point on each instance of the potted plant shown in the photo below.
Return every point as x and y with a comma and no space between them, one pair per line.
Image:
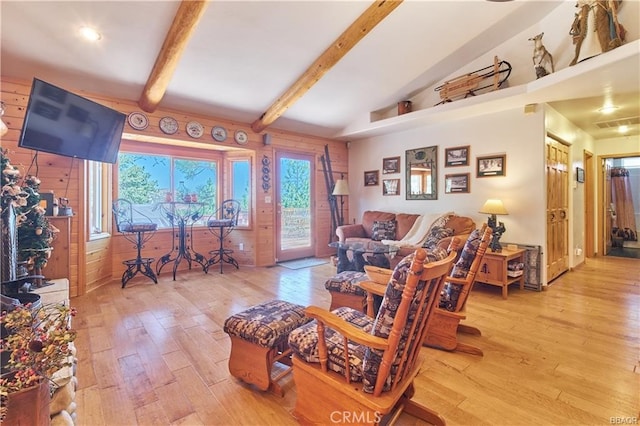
38,343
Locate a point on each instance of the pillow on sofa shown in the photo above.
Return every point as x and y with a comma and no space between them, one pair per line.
436,233
384,230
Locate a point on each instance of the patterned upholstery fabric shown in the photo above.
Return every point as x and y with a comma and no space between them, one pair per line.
384,230
386,315
304,342
436,233
267,324
451,292
138,227
345,282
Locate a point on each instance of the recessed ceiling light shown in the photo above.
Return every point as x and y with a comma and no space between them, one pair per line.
623,129
90,34
607,109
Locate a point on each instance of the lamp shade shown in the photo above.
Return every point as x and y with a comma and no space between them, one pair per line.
341,188
492,206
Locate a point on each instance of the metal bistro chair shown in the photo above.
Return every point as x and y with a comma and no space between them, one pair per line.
221,223
137,232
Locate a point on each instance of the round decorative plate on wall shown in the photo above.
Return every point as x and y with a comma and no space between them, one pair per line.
138,120
169,125
195,129
219,133
241,137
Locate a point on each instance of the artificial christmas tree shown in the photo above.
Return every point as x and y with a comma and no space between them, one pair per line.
35,233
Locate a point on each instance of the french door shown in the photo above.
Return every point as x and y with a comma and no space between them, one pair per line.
294,204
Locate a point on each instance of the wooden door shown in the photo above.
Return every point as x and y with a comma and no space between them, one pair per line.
557,168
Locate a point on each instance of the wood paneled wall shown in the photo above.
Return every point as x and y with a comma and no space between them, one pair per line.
94,263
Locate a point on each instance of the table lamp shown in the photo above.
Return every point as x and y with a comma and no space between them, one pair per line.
494,207
341,189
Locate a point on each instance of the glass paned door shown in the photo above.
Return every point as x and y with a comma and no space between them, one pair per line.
294,224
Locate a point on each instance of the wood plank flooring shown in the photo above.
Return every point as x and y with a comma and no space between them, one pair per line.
156,354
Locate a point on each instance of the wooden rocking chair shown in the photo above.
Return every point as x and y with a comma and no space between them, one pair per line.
446,323
443,330
350,368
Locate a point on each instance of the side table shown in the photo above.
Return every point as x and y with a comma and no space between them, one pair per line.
494,269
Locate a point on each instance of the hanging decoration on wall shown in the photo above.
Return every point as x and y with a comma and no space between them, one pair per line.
266,170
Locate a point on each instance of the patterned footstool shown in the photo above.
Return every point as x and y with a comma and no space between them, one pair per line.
345,290
259,339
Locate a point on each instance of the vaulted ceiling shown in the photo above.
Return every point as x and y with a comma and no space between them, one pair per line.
239,58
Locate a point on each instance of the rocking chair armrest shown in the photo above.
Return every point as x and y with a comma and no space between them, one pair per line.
453,280
348,330
458,315
373,287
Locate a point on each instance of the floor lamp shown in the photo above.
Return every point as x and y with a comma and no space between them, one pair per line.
341,189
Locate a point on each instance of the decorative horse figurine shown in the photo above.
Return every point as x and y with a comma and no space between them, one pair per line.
541,57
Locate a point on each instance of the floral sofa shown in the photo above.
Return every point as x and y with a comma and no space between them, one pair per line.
378,227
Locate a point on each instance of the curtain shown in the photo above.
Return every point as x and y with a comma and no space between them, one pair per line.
622,199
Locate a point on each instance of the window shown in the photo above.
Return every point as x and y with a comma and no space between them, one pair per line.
241,188
97,178
148,180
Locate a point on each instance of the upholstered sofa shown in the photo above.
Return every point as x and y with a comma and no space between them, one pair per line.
378,227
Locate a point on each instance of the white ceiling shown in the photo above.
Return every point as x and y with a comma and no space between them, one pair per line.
244,54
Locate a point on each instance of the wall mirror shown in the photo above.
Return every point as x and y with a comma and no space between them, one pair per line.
422,173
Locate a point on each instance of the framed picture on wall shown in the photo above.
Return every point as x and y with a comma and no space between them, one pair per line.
390,165
390,186
580,174
494,165
456,184
371,178
456,156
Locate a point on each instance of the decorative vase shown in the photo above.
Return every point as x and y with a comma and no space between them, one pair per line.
29,407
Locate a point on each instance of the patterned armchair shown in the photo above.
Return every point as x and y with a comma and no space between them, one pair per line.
347,362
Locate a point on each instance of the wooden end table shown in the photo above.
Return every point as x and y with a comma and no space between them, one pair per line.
494,269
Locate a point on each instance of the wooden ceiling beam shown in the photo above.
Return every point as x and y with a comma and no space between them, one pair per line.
182,28
371,17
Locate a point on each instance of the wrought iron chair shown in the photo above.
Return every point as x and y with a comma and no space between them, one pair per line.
220,224
347,363
138,229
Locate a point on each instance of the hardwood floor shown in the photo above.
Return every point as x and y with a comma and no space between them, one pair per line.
156,354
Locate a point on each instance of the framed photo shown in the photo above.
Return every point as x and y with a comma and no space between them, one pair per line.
390,165
371,178
580,174
456,156
390,186
494,165
456,184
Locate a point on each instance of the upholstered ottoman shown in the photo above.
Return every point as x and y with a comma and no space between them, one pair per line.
345,290
259,339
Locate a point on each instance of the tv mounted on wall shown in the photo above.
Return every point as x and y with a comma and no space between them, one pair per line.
60,122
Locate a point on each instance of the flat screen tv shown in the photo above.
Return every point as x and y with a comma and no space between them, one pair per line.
60,122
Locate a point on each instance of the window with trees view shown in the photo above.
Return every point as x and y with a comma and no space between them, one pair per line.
148,180
241,188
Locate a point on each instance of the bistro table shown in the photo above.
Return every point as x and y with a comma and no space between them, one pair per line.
377,255
181,214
